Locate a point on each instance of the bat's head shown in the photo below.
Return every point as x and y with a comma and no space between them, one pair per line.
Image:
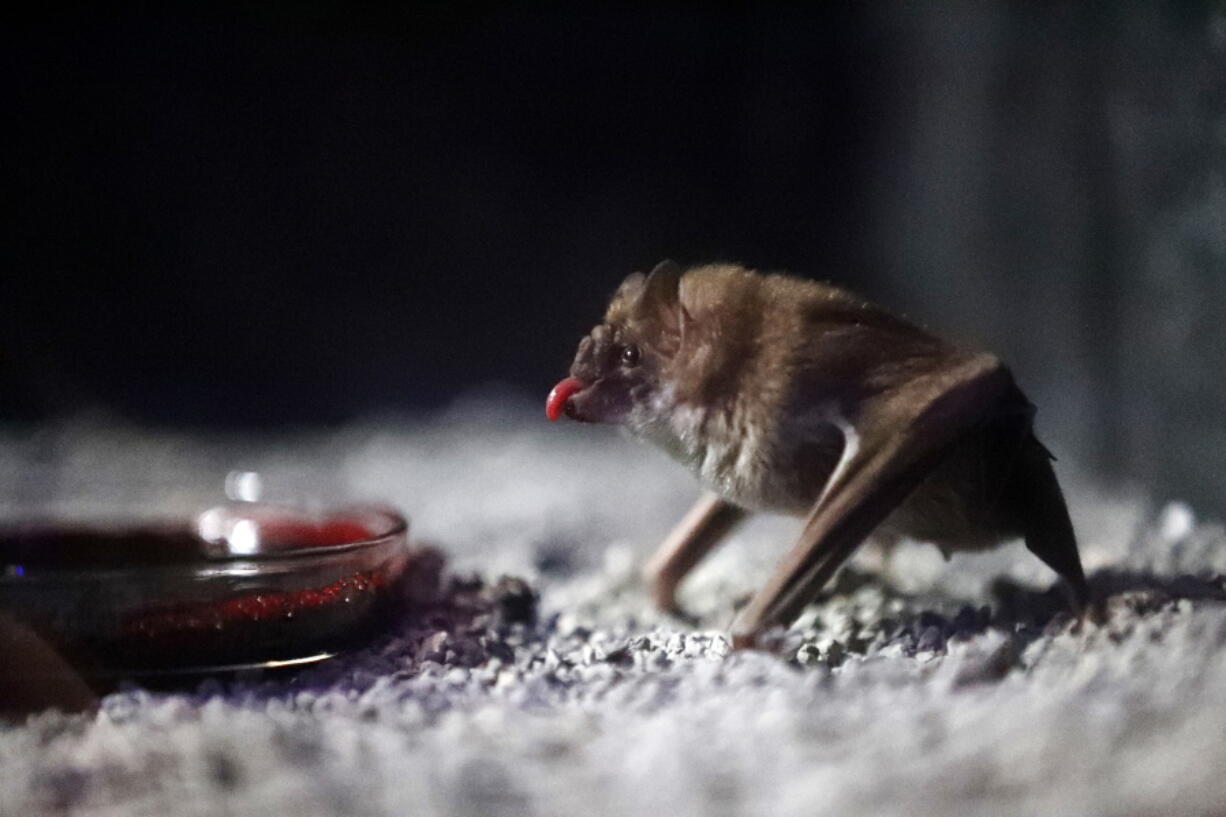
621,370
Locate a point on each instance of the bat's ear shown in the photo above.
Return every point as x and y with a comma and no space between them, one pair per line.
626,300
662,297
631,288
663,285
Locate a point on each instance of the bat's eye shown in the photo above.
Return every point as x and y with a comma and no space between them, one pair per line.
630,355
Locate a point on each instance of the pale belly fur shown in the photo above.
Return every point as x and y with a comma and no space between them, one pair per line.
953,508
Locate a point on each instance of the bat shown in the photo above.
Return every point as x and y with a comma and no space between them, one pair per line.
786,395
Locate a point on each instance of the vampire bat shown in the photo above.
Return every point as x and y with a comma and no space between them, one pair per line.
792,396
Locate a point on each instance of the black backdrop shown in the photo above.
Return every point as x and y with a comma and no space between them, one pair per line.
296,216
305,213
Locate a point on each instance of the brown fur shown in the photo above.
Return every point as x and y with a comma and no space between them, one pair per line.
751,353
762,384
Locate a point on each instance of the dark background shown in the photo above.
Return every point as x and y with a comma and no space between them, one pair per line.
304,214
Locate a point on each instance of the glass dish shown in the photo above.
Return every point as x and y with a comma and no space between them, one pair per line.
244,585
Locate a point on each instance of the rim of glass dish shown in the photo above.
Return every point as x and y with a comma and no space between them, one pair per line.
216,565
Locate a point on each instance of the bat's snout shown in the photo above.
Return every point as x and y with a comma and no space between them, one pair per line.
558,401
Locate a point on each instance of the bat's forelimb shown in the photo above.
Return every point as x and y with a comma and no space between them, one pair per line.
904,434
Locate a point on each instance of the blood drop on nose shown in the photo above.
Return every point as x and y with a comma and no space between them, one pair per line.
555,404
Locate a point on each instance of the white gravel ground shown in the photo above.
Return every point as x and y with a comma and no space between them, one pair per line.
917,687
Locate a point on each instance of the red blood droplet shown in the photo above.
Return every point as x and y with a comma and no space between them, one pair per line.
555,404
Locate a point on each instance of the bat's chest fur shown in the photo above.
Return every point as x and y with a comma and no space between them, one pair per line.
732,456
785,471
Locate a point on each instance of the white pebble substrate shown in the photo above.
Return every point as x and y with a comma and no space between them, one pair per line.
911,691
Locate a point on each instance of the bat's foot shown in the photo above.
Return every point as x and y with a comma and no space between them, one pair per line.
685,616
1093,611
744,641
662,591
773,640
1087,606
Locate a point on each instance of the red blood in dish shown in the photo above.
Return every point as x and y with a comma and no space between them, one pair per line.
555,404
179,620
290,531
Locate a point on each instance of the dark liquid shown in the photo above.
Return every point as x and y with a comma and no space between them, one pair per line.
160,598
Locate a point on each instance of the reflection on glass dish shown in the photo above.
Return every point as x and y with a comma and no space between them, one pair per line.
242,585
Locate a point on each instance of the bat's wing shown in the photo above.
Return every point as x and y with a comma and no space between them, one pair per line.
899,436
1037,504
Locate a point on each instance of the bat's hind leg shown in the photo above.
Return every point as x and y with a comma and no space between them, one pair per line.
695,535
